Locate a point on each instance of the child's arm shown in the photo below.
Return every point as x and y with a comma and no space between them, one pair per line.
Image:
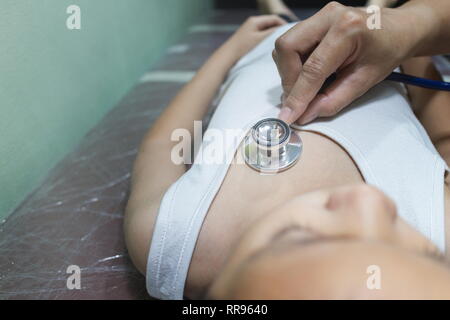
431,107
154,171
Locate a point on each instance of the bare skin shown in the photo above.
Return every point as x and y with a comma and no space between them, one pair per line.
381,3
154,172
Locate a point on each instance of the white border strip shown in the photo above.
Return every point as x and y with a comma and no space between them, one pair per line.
213,28
167,76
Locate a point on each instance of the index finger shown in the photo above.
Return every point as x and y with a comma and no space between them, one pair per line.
323,61
295,43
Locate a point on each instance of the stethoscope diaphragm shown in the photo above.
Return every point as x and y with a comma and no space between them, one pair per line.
271,146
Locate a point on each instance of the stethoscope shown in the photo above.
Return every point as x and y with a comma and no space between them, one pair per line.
271,146
408,79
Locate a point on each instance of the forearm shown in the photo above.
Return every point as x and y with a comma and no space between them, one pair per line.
380,3
428,24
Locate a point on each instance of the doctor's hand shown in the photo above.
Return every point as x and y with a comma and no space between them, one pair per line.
338,40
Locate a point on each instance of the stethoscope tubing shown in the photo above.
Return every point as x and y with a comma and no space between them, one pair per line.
406,79
419,82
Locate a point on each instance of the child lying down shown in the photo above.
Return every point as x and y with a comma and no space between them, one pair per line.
369,190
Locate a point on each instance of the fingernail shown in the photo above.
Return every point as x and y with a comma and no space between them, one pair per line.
285,114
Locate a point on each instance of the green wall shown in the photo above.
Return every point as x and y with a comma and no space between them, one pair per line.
56,84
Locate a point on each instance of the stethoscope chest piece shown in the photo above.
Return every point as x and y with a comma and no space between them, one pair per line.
271,146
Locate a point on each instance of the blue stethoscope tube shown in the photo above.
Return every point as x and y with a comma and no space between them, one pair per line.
407,79
419,82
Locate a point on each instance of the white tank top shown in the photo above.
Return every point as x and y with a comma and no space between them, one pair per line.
379,131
